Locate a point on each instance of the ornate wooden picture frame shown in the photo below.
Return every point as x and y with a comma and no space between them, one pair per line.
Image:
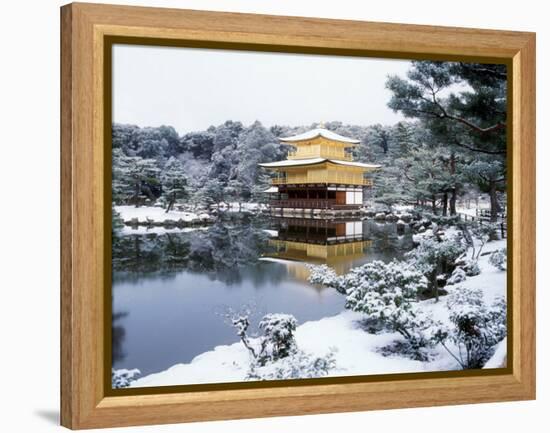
88,32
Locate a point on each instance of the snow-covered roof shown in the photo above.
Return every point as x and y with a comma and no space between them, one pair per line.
354,164
319,132
293,162
313,161
271,189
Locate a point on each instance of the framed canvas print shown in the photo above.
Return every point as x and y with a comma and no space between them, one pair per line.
267,215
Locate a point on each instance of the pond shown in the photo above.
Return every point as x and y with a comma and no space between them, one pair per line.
172,292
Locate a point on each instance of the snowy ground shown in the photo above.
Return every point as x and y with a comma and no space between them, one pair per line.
244,207
356,351
157,214
473,210
146,230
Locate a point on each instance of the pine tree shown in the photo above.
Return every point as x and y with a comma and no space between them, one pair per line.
471,122
174,183
134,177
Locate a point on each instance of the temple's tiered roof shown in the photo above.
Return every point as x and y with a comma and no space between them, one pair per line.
314,161
319,132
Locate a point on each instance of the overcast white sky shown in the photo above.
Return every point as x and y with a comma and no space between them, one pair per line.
191,89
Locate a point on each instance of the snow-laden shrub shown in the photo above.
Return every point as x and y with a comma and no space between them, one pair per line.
377,288
384,292
323,275
458,276
476,327
274,354
471,267
468,265
297,365
419,341
434,256
483,233
278,339
416,327
123,378
433,253
498,259
395,280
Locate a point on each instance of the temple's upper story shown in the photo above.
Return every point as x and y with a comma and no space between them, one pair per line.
320,143
319,173
320,152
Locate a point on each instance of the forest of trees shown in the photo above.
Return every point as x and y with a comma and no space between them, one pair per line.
452,147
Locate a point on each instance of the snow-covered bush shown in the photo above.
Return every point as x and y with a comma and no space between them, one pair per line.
278,339
471,267
323,275
432,253
274,354
498,259
377,288
476,328
123,378
458,276
385,293
297,365
433,257
483,233
416,327
383,278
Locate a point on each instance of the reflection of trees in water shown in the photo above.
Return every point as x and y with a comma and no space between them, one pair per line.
386,238
221,251
224,251
118,333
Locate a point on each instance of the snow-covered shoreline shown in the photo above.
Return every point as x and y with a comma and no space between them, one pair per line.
356,351
154,214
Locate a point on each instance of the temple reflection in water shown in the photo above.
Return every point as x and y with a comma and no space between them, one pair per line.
338,243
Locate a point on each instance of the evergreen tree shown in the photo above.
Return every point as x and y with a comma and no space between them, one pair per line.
212,193
174,183
471,122
133,178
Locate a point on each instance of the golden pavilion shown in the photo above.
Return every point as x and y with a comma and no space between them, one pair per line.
319,174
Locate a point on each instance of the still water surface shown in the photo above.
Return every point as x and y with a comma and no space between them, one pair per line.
172,292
